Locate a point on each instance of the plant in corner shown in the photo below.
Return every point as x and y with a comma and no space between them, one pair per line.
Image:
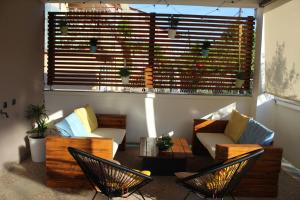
124,73
63,26
164,143
205,48
240,79
37,115
173,26
93,45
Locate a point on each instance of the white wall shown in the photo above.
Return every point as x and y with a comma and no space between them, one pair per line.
21,64
282,47
172,112
284,120
279,18
288,132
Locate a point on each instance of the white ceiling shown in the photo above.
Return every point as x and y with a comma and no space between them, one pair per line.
236,3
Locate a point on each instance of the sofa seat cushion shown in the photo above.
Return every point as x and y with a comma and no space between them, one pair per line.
209,141
116,134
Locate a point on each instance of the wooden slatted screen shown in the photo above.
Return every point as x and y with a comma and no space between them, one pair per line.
141,40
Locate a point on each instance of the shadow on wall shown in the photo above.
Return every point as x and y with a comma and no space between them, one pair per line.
281,78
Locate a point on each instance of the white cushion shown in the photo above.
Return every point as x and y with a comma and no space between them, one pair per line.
116,134
209,141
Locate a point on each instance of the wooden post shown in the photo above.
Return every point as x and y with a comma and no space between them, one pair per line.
51,40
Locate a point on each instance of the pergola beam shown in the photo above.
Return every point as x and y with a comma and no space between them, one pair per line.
213,3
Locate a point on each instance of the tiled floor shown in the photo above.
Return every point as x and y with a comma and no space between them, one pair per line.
25,181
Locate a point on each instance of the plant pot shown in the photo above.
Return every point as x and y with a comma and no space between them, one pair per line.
163,147
172,33
205,52
64,30
93,49
239,83
125,80
37,149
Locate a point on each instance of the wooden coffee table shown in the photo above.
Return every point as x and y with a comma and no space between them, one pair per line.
164,162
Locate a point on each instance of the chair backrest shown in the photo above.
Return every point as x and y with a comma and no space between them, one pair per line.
222,177
112,179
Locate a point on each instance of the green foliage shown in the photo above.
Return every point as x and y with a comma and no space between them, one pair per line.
125,29
63,23
93,42
164,142
173,22
241,75
37,114
206,45
124,72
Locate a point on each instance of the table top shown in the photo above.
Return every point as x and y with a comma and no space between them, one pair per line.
180,149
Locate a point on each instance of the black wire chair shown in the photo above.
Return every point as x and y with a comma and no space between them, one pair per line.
219,179
109,178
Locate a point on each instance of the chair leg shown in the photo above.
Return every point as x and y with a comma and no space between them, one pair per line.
232,196
95,195
187,195
141,195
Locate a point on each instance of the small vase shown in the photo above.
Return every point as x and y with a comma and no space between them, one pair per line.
125,80
239,83
37,149
163,147
64,30
205,52
172,33
93,49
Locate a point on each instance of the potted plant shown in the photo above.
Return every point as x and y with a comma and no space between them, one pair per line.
63,27
173,26
164,143
124,73
93,45
205,48
240,79
38,116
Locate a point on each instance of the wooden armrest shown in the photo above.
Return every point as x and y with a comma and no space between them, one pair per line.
227,151
111,121
209,126
62,170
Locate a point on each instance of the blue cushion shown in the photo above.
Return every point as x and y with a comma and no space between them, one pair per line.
76,126
64,128
256,133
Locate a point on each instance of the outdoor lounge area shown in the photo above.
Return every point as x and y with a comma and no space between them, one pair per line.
149,100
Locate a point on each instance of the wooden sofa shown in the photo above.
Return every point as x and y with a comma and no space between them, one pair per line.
62,170
262,179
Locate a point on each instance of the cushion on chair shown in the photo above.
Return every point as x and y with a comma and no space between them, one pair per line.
209,141
146,172
116,134
256,133
63,128
88,117
236,125
76,126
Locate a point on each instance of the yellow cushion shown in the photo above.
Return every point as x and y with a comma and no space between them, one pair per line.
146,172
236,125
87,117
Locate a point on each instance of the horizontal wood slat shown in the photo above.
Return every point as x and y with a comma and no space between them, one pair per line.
141,39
